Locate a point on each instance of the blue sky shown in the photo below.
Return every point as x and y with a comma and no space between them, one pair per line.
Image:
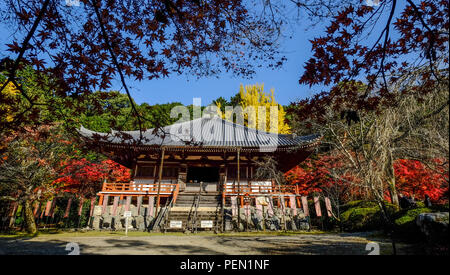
184,88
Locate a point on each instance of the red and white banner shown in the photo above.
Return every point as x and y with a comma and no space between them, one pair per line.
317,206
91,213
115,205
139,204
328,205
233,206
80,208
105,203
36,208
48,207
128,202
305,205
52,209
293,204
69,203
151,204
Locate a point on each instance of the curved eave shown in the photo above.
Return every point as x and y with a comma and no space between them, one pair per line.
116,142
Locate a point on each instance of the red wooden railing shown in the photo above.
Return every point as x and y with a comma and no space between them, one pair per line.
144,188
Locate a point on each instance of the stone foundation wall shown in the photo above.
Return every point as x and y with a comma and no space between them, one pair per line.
251,220
107,221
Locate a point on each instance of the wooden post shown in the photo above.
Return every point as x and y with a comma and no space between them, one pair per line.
159,181
239,185
100,200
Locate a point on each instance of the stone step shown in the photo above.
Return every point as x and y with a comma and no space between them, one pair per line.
188,209
193,199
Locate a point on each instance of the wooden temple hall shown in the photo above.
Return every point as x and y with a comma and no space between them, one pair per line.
188,174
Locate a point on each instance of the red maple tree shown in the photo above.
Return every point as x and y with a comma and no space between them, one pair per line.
85,178
415,179
321,173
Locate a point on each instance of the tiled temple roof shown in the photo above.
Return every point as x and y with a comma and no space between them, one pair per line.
202,132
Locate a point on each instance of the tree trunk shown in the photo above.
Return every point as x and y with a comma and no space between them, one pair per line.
390,175
30,224
393,191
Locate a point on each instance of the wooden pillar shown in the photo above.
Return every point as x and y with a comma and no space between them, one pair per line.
120,200
239,184
100,200
159,181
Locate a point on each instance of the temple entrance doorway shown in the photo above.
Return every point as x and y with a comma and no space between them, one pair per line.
207,177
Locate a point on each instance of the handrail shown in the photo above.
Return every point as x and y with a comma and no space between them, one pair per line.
195,205
175,193
167,212
162,216
256,188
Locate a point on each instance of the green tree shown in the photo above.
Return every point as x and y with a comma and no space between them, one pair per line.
29,167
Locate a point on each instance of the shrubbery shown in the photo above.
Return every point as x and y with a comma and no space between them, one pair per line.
364,216
405,223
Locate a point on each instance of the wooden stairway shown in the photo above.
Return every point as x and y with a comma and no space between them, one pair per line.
191,213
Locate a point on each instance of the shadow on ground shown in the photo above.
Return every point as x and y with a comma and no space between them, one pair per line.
319,244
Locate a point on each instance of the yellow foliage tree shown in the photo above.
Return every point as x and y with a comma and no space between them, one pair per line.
6,98
253,97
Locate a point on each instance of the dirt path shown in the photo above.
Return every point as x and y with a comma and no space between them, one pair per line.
200,244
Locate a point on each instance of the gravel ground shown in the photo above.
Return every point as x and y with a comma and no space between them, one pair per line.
334,244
